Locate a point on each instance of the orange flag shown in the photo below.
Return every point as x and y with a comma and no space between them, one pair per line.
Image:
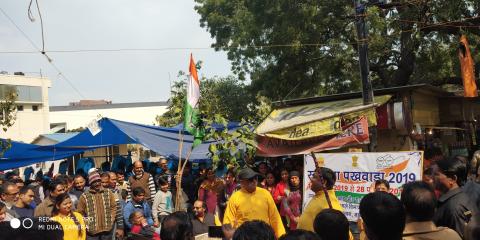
467,66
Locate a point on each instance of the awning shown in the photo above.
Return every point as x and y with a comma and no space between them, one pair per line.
354,134
162,140
318,119
23,154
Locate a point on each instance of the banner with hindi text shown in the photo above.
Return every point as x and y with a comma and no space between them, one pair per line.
355,172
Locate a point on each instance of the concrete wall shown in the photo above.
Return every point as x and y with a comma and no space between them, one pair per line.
28,124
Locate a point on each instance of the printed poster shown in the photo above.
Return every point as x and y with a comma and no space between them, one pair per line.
356,171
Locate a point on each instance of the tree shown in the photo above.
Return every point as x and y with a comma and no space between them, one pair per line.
222,99
224,96
7,116
307,48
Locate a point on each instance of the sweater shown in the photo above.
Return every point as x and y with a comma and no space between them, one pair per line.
162,204
145,182
99,207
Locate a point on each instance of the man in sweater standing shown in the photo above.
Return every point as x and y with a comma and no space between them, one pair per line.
141,179
99,208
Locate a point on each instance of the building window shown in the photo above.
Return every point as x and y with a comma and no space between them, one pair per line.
34,108
24,93
20,108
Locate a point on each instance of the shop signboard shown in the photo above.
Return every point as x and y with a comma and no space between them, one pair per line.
318,119
357,171
354,134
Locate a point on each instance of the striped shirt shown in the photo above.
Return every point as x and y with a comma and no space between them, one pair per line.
100,210
119,212
146,182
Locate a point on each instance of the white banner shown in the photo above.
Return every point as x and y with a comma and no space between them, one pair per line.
356,171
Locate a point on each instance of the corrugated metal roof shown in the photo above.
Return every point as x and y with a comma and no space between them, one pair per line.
343,96
108,106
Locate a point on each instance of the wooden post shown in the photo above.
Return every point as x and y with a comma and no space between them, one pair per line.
179,186
178,180
322,181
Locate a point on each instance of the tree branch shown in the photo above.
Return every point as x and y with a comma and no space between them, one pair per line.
453,27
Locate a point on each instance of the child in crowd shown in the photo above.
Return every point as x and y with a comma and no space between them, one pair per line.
382,185
141,227
162,203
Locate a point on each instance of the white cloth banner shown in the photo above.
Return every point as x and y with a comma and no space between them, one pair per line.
356,171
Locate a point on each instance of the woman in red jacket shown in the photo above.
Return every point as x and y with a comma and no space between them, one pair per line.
281,191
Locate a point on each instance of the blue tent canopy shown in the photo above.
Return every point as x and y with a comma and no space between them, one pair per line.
162,140
22,154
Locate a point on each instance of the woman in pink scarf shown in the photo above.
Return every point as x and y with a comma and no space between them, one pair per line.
209,191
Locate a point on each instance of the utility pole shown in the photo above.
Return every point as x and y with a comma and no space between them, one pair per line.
362,41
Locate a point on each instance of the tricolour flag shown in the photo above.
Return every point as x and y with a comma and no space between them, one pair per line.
192,121
467,66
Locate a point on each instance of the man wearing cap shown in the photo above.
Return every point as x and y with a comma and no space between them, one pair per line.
98,206
252,203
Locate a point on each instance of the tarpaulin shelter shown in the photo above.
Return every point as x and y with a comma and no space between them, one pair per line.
22,154
162,140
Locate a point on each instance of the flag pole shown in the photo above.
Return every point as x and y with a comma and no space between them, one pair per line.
178,196
322,181
180,148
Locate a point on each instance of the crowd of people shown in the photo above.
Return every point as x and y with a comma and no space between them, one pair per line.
264,202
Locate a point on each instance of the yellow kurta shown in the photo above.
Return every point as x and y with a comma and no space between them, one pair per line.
259,205
315,206
70,229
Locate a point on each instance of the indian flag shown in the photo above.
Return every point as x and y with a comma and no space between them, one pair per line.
192,121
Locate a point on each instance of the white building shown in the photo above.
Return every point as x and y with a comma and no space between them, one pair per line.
32,116
76,116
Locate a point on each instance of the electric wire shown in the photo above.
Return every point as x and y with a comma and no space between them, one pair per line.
49,60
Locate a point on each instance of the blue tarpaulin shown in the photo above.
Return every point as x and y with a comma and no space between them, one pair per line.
162,140
22,154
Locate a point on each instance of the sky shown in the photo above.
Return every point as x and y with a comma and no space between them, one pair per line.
119,76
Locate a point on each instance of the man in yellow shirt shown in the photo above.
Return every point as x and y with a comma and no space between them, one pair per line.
252,203
319,201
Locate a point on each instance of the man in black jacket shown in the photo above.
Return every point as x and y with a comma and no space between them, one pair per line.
455,208
202,219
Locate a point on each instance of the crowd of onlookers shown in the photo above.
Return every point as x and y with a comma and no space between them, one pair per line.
263,202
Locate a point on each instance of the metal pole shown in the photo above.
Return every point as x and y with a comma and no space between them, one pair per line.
362,41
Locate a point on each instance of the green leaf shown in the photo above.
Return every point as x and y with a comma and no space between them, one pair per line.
212,148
